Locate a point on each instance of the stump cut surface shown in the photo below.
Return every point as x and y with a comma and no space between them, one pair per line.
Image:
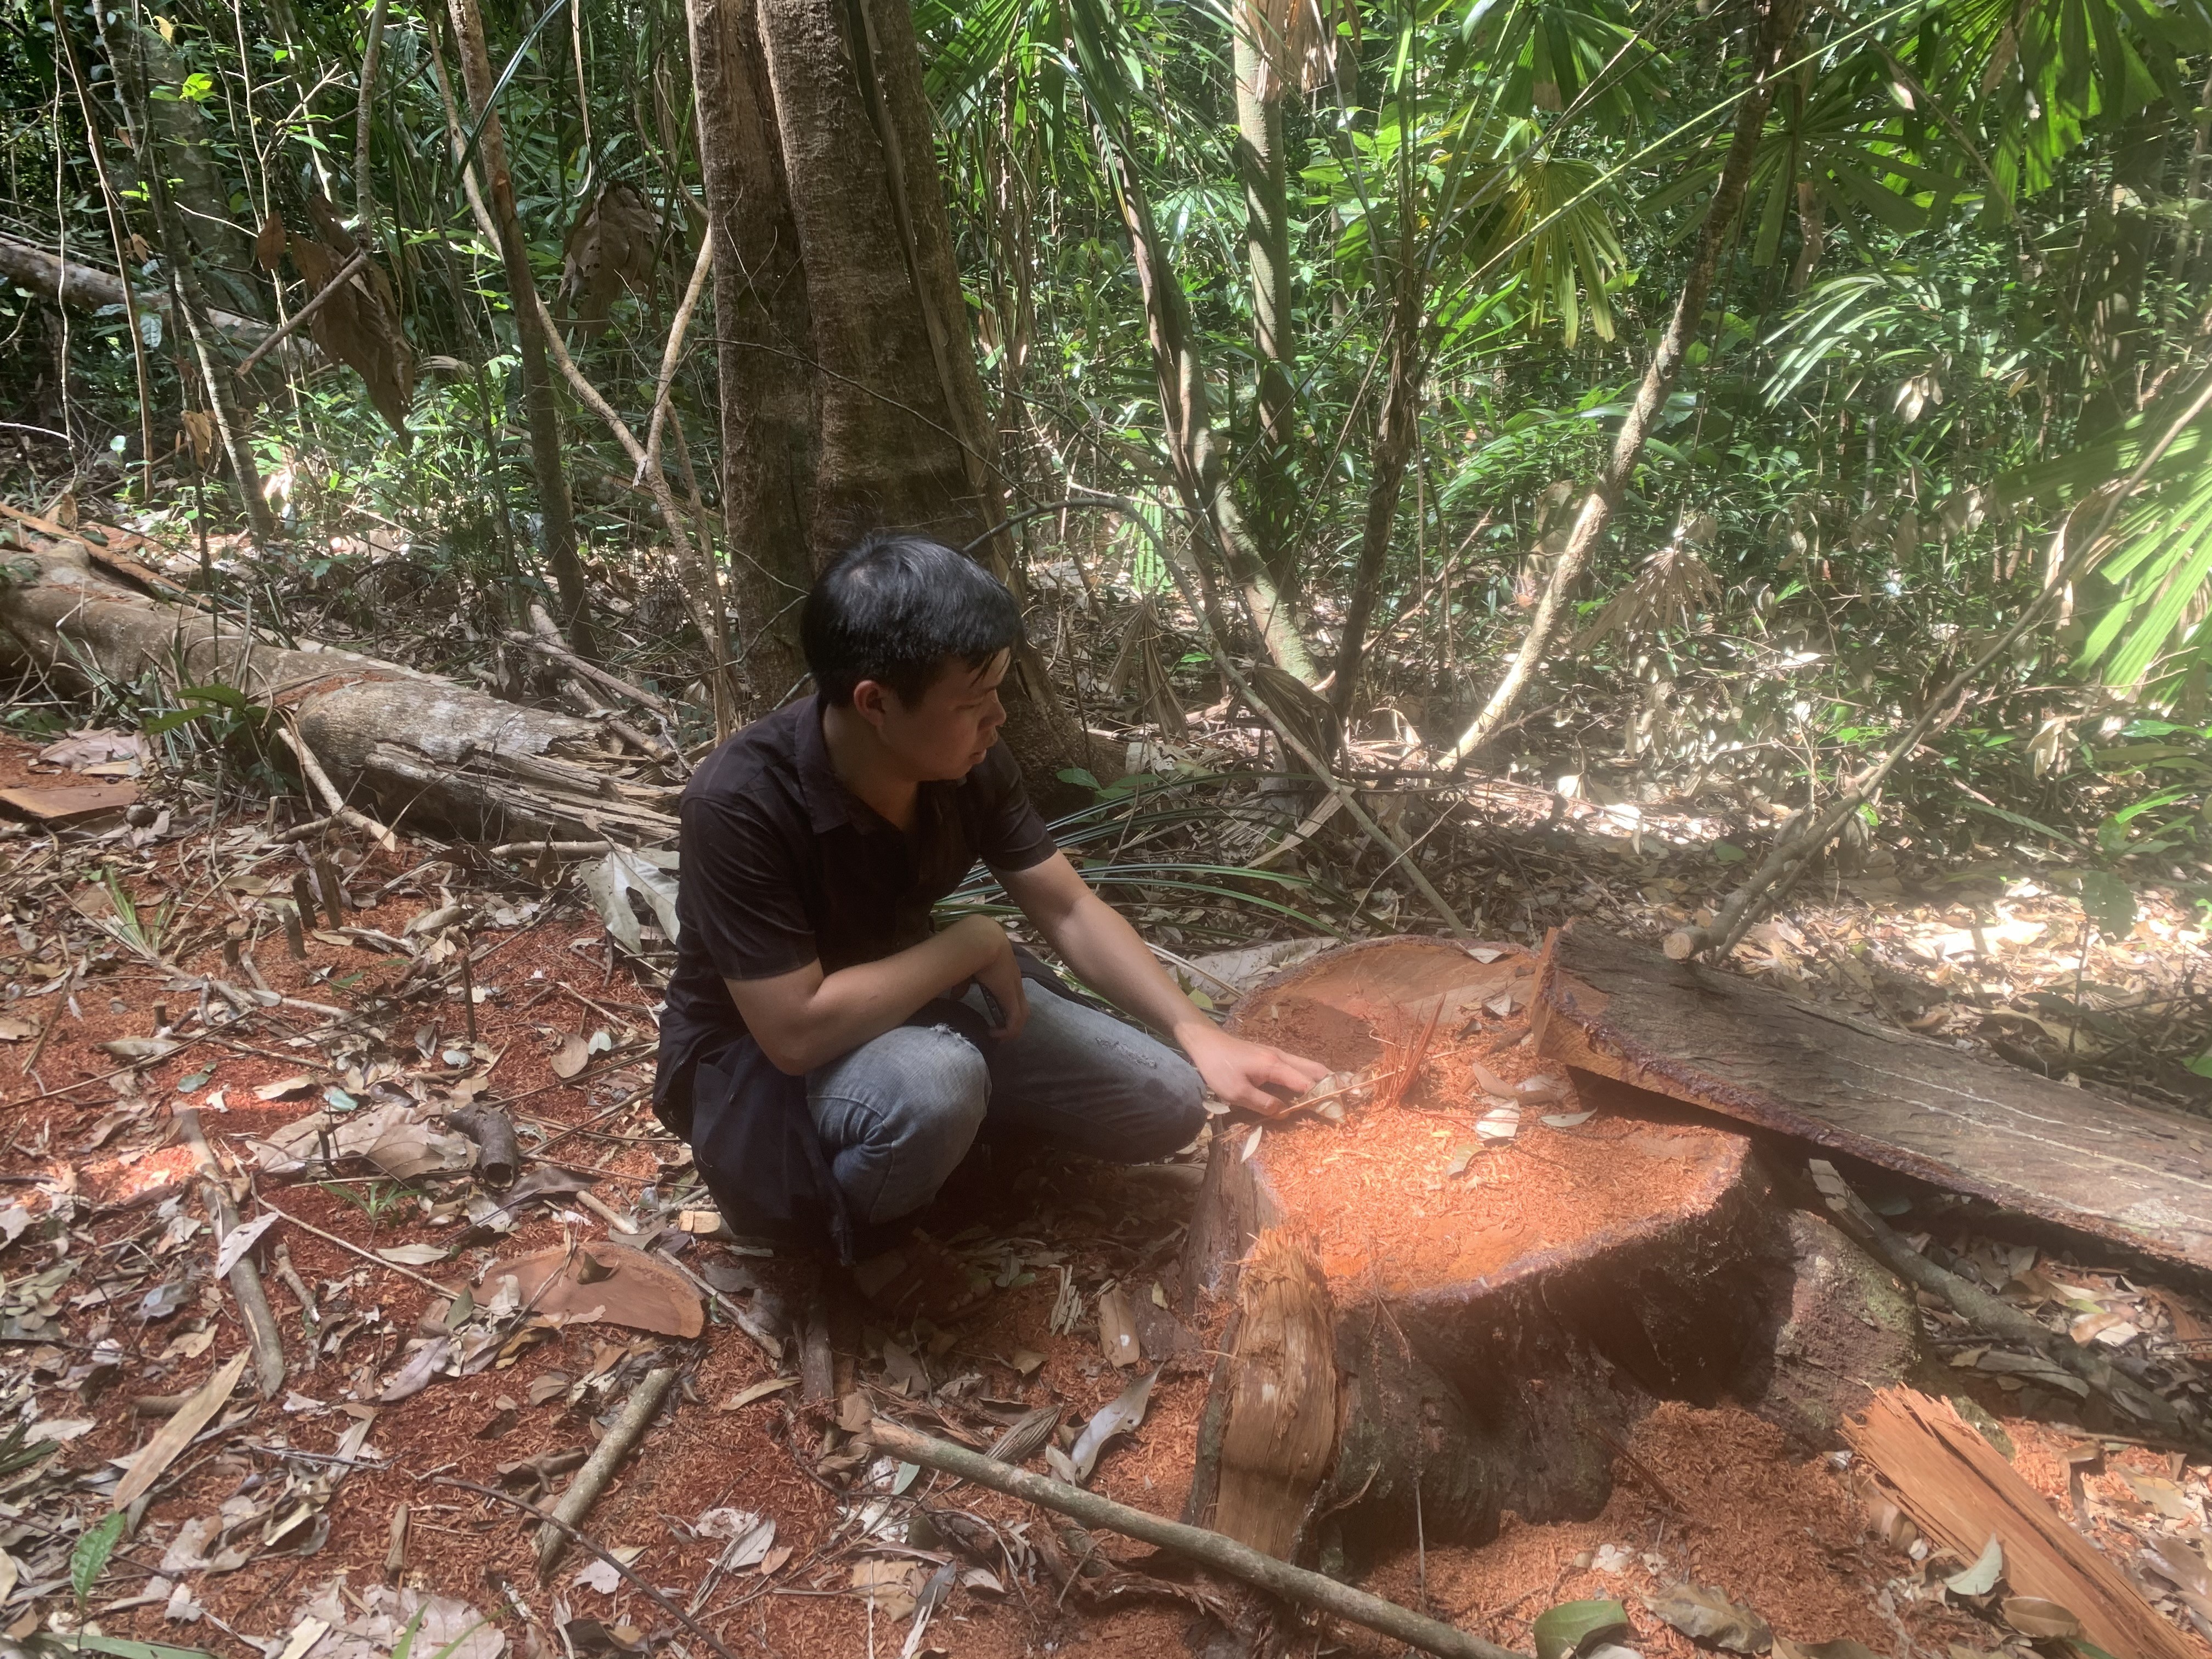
2131,1173
1404,1198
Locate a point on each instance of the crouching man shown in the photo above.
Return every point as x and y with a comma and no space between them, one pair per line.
829,1051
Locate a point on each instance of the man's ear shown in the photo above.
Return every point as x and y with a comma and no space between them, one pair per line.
871,701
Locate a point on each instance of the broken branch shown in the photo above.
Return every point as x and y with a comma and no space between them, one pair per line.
1210,1549
606,1457
1979,1307
244,1277
291,324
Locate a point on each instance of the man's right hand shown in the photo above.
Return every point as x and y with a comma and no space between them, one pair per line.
1000,976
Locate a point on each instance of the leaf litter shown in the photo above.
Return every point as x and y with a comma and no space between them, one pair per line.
221,1547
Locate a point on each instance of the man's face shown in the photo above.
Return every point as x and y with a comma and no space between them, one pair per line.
947,732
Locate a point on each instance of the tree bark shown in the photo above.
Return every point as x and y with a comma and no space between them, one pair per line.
541,409
820,123
87,288
762,335
1261,165
1776,29
191,303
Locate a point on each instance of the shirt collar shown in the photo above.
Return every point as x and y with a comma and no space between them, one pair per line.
829,803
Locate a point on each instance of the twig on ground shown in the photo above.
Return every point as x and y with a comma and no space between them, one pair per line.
1212,1549
244,1279
312,769
1988,1313
365,1254
583,1491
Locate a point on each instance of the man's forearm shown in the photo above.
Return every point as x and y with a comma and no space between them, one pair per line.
858,1004
1109,956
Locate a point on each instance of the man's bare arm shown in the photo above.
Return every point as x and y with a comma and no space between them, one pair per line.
806,1019
1106,953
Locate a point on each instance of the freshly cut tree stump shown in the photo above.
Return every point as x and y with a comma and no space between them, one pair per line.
1504,1309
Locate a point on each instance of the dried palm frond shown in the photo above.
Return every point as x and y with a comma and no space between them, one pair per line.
1673,586
1308,43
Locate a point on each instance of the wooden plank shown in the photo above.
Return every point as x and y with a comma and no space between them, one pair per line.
2132,1174
1959,1492
69,802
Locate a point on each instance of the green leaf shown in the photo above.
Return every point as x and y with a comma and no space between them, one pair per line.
2109,903
1727,852
89,1558
121,1646
2203,1063
1077,776
1572,1625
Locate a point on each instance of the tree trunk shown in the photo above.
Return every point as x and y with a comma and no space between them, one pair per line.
1260,164
762,331
541,408
190,303
1778,29
1396,435
821,124
179,126
418,747
1187,411
71,281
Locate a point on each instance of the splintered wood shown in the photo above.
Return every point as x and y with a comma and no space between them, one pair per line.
1281,1425
1960,1492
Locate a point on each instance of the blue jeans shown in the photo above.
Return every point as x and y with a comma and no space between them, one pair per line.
898,1113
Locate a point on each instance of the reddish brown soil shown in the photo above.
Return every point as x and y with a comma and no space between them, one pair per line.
1776,1531
1741,1513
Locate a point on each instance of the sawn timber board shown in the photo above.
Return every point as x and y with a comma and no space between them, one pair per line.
2133,1174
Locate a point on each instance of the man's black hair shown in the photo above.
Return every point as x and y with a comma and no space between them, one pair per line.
896,609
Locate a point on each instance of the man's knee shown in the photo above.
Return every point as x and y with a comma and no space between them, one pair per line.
899,1114
1175,1099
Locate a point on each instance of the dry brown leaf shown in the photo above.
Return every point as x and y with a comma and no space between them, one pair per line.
574,1054
1117,1328
610,249
638,1291
359,326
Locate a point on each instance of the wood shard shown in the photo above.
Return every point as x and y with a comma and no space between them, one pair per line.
2129,1174
1959,1492
67,803
1281,1424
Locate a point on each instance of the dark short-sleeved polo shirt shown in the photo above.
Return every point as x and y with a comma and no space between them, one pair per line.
783,865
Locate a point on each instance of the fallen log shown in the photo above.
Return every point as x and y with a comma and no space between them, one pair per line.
418,747
88,288
2124,1173
1210,1549
1500,1313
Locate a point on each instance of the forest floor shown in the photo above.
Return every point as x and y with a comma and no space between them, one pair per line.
405,1369
149,972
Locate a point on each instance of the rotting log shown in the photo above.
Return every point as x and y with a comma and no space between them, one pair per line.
1491,1354
2126,1174
426,751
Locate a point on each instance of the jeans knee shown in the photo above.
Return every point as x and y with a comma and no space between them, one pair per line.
1174,1097
946,1088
